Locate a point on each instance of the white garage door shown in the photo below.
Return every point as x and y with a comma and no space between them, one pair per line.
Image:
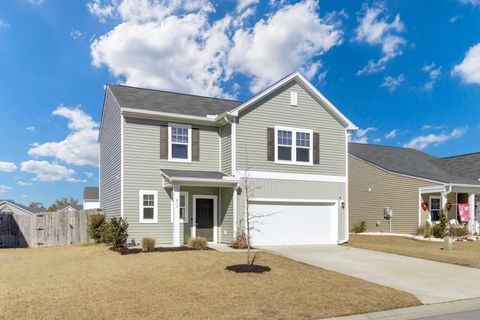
287,223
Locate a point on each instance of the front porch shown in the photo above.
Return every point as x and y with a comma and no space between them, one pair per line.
460,202
202,205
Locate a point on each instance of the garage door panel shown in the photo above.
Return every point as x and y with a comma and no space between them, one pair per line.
293,223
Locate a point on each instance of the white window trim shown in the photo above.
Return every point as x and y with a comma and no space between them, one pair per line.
185,218
430,207
189,147
155,207
294,146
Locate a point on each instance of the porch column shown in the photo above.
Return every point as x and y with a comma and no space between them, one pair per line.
176,214
471,206
444,201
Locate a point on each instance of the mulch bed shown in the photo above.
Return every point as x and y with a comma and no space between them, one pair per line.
248,268
126,250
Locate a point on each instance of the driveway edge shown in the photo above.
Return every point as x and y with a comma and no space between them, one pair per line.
427,310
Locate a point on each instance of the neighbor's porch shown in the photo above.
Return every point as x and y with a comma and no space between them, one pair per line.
202,205
461,203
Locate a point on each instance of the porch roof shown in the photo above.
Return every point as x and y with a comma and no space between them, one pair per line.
195,177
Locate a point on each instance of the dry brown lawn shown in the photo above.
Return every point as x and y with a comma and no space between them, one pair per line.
91,282
463,253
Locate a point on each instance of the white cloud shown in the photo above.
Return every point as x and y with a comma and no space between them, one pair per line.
46,171
392,134
4,188
177,48
24,184
4,24
242,4
102,9
7,166
76,34
292,38
36,2
80,146
455,18
360,136
469,69
472,2
374,29
24,196
431,127
392,83
422,142
433,73
31,129
88,174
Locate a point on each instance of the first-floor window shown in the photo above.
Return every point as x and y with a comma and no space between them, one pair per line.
435,208
148,206
183,207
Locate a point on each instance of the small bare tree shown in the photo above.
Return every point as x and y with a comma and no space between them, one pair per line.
252,219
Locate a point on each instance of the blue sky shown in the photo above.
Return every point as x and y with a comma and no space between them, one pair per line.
406,72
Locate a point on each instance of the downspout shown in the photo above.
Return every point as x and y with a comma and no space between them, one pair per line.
346,200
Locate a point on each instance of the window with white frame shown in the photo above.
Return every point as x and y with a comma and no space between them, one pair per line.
180,142
293,145
148,206
183,207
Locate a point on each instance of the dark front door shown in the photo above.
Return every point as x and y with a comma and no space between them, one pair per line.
204,212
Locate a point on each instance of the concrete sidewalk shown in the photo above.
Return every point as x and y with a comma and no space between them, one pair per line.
447,309
430,281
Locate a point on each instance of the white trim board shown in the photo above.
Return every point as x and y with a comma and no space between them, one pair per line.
294,200
290,176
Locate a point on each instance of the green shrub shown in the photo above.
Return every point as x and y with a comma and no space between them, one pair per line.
148,244
425,230
117,231
198,243
461,231
240,242
360,227
440,229
97,227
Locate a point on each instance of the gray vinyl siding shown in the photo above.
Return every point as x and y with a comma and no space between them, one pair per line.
276,110
226,215
386,190
110,157
226,149
142,166
292,189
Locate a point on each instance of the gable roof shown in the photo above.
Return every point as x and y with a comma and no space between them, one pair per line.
407,161
66,206
300,79
22,207
466,165
90,193
164,103
170,102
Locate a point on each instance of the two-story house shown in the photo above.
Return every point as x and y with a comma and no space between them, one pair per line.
175,165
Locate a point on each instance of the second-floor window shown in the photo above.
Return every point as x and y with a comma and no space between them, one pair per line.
180,142
293,145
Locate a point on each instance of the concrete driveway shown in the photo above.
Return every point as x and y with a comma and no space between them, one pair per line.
429,281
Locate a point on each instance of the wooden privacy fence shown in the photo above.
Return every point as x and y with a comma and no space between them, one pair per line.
47,229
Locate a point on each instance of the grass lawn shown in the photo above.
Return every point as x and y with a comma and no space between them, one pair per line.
463,253
80,282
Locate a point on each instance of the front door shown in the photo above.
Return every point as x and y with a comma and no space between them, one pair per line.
204,216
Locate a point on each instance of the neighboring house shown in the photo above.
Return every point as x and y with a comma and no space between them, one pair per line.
12,207
415,185
69,208
174,165
90,198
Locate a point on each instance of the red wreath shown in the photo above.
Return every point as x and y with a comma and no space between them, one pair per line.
424,205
